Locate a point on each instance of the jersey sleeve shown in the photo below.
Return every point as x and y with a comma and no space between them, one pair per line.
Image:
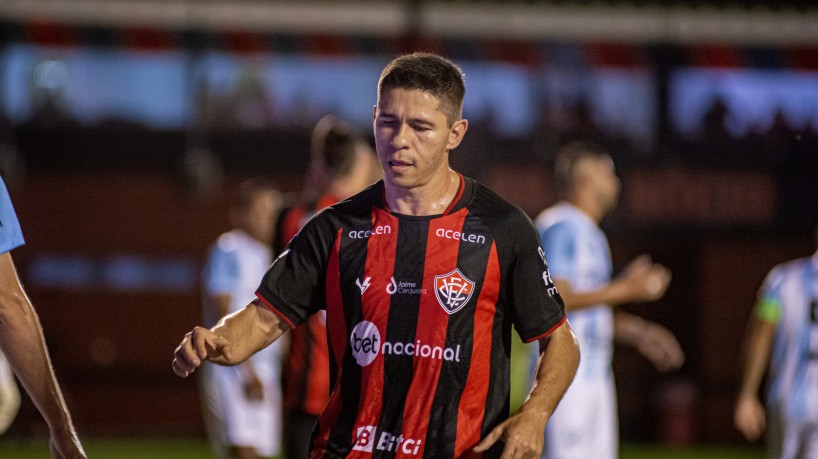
11,236
221,272
768,305
536,306
293,286
560,245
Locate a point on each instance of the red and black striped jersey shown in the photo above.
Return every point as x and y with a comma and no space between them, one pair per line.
419,316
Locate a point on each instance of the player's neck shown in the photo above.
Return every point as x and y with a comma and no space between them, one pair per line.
432,198
588,206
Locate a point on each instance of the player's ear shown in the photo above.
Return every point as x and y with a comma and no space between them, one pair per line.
456,133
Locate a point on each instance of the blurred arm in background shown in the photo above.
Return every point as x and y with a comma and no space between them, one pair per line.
749,416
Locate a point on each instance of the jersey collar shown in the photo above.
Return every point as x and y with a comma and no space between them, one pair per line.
460,200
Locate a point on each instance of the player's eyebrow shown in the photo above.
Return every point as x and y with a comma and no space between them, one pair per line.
413,120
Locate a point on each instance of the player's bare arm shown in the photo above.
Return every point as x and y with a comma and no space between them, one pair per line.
522,432
655,342
641,280
232,341
253,387
22,342
749,416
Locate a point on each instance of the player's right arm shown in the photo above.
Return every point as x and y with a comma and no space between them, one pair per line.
641,280
291,288
557,365
232,341
253,387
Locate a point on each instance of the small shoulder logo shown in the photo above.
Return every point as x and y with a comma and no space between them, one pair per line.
453,291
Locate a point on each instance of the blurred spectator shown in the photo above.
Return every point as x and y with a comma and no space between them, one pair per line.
250,104
783,336
46,91
715,120
242,403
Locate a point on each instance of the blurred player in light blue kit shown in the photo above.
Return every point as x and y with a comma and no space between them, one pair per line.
584,424
22,342
242,404
783,336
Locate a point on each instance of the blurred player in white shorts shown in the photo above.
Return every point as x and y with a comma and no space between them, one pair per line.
242,404
584,425
783,336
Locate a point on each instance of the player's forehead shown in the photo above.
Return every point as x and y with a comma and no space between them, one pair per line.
408,102
595,164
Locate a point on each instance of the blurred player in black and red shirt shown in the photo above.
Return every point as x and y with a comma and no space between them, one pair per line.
341,164
422,277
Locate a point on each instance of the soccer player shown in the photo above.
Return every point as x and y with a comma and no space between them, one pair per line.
585,424
783,336
422,276
21,340
242,403
341,164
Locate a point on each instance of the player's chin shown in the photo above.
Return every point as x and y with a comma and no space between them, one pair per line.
401,180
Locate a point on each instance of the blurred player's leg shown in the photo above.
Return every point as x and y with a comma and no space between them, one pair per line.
211,411
9,395
587,426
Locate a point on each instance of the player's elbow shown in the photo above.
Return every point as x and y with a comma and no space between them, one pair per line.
570,347
15,310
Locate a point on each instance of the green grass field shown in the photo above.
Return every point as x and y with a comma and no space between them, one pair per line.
114,448
153,448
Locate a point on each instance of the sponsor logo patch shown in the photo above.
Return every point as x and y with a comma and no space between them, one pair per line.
376,231
403,287
365,441
363,285
366,342
458,236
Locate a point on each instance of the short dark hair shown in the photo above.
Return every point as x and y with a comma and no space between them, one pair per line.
429,73
248,189
334,145
568,159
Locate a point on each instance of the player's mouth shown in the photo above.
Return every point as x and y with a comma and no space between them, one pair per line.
396,165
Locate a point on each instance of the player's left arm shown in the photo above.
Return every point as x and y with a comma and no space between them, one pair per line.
655,342
749,415
523,431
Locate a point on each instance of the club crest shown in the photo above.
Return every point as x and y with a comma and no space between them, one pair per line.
453,291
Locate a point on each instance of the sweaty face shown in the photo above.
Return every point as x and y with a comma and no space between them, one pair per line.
413,137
